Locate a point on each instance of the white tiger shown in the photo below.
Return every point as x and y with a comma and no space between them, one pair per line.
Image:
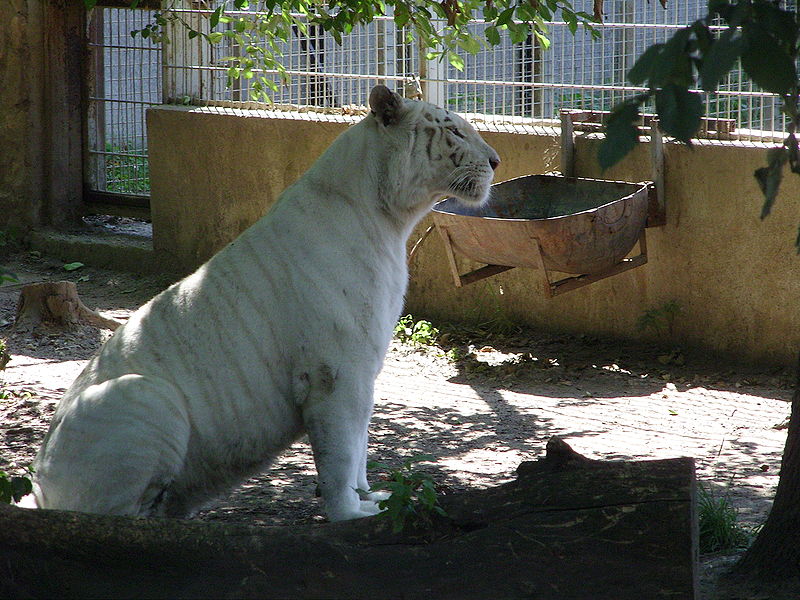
281,333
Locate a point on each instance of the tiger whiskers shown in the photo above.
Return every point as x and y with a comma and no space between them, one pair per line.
462,179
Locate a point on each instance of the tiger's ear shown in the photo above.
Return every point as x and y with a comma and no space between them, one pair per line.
385,104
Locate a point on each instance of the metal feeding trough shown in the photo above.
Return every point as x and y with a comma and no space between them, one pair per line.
582,227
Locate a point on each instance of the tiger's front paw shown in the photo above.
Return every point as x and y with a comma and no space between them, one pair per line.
376,496
366,509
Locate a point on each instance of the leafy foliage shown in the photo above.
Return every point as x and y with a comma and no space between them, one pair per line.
419,333
622,135
440,27
413,494
760,34
12,489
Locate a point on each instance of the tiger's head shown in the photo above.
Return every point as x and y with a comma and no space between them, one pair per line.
434,149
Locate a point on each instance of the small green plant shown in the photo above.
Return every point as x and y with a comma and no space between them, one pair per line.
413,494
718,527
73,266
660,320
419,333
5,357
454,355
12,489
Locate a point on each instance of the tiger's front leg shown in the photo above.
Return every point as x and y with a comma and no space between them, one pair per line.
337,418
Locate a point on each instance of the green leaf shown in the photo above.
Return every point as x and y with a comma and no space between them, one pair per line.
766,63
505,16
492,35
455,60
543,40
73,266
213,20
720,58
469,44
20,486
622,135
641,69
215,37
518,32
401,15
679,111
673,63
780,23
769,177
89,4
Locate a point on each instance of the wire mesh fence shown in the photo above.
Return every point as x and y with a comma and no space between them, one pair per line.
502,85
124,80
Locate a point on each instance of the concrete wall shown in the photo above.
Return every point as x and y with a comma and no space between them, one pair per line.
736,278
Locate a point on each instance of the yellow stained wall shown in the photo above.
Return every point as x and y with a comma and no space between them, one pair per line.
737,278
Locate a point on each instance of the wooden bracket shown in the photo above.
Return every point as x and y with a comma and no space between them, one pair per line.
472,276
550,288
554,288
657,208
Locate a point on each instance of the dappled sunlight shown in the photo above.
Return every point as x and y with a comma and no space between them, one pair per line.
480,427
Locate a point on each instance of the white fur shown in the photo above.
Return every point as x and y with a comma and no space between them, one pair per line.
281,333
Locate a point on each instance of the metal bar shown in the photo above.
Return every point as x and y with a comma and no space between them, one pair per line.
120,47
123,101
108,198
142,5
575,86
123,154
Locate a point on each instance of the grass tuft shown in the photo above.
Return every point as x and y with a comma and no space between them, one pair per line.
719,529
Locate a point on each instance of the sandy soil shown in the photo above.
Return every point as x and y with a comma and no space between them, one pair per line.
480,415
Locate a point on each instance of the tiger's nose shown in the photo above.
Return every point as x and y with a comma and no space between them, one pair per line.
494,162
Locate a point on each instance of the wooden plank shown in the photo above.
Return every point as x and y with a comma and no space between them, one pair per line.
451,257
64,24
482,273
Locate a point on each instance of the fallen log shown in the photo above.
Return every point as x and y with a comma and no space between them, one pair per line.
566,528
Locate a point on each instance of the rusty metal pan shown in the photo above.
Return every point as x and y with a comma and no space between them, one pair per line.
582,226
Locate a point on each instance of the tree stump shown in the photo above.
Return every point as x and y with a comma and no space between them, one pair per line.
568,528
56,303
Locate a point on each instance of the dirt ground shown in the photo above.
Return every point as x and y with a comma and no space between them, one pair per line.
480,415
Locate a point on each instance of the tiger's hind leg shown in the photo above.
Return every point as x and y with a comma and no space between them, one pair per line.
114,449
